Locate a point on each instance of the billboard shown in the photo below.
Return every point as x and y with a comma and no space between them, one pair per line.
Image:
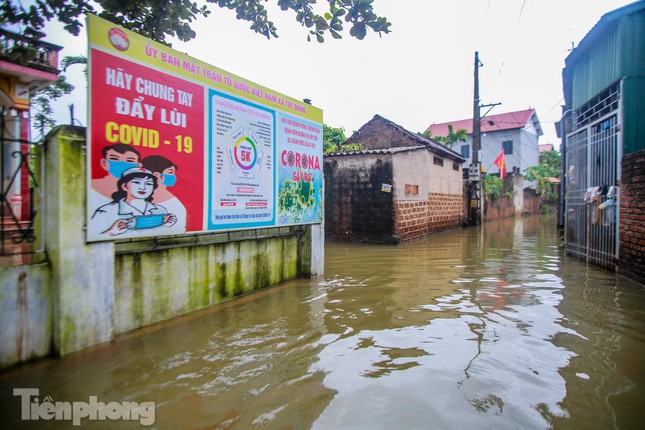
179,146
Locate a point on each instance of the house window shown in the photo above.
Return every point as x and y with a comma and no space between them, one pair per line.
455,166
411,189
465,151
508,147
438,161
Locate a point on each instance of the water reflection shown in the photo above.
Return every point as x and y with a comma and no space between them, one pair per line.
475,328
470,315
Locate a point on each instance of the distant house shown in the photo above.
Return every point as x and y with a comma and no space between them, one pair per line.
517,133
401,187
545,147
603,144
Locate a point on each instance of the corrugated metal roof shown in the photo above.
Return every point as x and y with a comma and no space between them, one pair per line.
604,23
611,50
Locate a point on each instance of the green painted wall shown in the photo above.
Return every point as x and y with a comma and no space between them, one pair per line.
156,285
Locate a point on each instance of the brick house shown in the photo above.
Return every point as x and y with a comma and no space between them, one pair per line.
403,186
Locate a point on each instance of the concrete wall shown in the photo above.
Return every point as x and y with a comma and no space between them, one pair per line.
82,274
86,293
25,313
632,217
356,209
159,284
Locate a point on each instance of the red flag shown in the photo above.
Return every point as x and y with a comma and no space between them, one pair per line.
500,162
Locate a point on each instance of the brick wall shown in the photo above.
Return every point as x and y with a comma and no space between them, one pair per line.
415,219
632,217
504,206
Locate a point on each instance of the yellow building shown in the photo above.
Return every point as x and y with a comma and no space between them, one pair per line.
26,65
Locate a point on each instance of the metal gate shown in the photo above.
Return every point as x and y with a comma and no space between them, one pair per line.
20,196
592,174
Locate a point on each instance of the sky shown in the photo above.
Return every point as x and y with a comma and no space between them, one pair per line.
419,74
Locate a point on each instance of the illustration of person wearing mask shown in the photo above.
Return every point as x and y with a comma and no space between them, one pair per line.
131,209
116,159
165,171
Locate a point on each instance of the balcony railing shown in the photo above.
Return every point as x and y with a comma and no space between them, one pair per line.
28,52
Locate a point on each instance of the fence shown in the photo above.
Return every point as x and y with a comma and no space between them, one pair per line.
592,173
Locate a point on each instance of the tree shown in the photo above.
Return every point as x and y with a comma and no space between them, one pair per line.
333,138
41,102
161,19
334,141
549,167
452,138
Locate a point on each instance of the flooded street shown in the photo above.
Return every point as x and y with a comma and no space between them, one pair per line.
470,329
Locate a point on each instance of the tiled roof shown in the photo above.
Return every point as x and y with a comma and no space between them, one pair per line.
417,138
380,151
502,121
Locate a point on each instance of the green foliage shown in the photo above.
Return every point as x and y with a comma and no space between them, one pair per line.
41,102
492,186
549,167
161,19
333,138
551,159
350,147
452,138
72,60
334,141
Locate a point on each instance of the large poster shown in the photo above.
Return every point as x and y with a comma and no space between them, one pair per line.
179,146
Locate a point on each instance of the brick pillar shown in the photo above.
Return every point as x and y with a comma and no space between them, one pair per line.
632,217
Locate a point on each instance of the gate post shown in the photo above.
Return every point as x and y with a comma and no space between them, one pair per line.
82,273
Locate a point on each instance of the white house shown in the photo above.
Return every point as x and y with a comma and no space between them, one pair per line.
517,133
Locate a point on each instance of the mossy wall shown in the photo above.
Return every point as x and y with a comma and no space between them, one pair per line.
81,273
156,285
86,293
25,313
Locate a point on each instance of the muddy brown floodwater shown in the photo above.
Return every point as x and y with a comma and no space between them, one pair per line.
487,328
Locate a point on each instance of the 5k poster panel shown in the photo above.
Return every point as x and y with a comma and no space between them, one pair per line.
178,146
242,142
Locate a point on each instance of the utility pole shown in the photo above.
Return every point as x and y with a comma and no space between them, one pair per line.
475,182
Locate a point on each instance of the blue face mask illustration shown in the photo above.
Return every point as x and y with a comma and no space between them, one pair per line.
169,180
118,167
148,221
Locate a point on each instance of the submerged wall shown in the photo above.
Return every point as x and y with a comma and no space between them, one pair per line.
159,284
25,313
356,207
86,293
